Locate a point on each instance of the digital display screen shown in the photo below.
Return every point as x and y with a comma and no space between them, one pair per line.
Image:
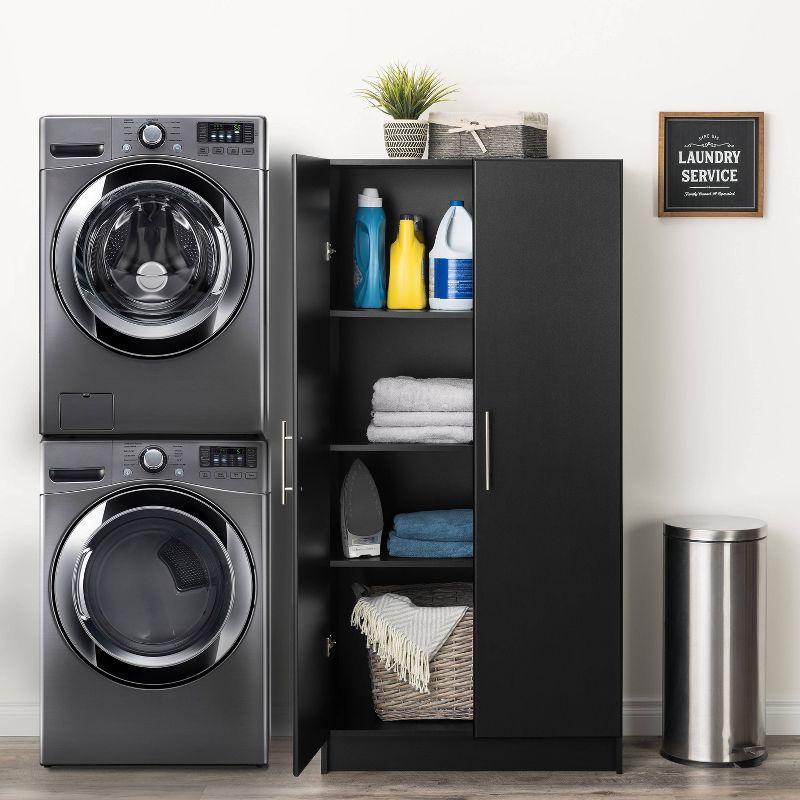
217,456
225,132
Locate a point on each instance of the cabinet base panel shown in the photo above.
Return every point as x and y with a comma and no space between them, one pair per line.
352,751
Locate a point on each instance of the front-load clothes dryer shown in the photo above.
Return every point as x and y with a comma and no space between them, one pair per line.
153,275
154,612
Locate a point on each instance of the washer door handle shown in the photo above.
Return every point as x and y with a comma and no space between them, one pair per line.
78,590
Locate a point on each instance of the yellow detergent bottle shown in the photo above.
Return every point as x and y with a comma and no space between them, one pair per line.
406,268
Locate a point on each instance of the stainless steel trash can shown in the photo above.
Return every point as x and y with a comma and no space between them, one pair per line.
714,637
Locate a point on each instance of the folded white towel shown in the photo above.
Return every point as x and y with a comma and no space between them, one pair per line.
415,419
422,394
454,434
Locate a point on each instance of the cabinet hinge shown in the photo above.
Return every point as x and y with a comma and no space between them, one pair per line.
330,643
330,251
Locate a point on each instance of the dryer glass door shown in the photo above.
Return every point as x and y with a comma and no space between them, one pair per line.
152,259
152,587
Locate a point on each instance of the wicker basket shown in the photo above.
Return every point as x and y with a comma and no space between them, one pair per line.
467,134
450,695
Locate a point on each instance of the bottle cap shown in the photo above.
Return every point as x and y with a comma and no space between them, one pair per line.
370,198
407,216
456,202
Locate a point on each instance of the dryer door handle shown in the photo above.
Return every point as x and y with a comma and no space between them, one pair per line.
284,438
78,591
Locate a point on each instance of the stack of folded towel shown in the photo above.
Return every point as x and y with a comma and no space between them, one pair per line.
421,410
432,534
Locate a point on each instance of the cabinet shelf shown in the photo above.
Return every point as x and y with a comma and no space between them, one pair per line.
398,447
387,313
418,163
349,723
389,562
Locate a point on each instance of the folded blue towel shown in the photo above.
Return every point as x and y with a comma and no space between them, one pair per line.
452,525
416,548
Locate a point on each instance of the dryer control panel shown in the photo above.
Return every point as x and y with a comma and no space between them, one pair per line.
228,465
238,466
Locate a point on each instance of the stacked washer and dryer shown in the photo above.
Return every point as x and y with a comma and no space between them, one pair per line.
154,485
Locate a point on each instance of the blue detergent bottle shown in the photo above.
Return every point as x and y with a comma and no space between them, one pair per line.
369,252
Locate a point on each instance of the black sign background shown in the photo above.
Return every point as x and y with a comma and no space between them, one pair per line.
691,183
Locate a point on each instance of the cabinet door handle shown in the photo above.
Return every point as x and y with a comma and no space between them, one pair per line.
487,451
284,439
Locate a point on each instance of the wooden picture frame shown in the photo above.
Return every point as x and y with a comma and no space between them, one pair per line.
733,187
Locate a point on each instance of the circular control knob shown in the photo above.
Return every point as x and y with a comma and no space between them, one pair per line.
153,459
151,135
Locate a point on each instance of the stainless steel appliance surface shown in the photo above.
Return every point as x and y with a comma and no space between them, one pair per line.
714,640
153,275
154,604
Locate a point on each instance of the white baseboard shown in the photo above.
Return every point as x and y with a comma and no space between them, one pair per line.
19,719
640,717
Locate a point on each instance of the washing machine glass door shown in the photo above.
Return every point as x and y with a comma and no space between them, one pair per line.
146,258
152,585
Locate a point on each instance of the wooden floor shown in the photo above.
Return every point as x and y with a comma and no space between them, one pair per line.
646,775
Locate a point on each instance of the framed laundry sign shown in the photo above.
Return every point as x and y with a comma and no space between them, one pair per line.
711,164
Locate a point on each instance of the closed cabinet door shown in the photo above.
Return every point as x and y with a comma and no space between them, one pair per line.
548,450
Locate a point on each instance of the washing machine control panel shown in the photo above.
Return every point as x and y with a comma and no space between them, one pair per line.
228,141
238,466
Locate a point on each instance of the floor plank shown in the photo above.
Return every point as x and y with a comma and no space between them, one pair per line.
647,775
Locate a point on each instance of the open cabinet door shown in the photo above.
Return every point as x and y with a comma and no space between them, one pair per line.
310,448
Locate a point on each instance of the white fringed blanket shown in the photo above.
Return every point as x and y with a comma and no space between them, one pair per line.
405,636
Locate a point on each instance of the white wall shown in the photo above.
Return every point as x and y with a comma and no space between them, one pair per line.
712,341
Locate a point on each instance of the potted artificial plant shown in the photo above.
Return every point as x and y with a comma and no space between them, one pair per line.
405,95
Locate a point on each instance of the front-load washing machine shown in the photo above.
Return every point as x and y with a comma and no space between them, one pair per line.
153,275
154,613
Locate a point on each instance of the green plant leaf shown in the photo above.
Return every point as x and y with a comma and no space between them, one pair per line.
405,94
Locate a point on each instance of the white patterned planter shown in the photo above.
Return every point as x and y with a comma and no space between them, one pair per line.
405,138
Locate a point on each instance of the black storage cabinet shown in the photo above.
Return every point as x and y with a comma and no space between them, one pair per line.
544,474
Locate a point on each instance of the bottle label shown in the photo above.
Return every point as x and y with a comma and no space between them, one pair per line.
452,278
358,275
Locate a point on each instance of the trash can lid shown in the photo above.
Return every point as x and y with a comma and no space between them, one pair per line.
715,528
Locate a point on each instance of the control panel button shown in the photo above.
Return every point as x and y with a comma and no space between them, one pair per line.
127,472
218,150
251,476
220,474
178,472
202,151
236,474
205,474
233,151
177,147
248,151
153,459
152,135
126,147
